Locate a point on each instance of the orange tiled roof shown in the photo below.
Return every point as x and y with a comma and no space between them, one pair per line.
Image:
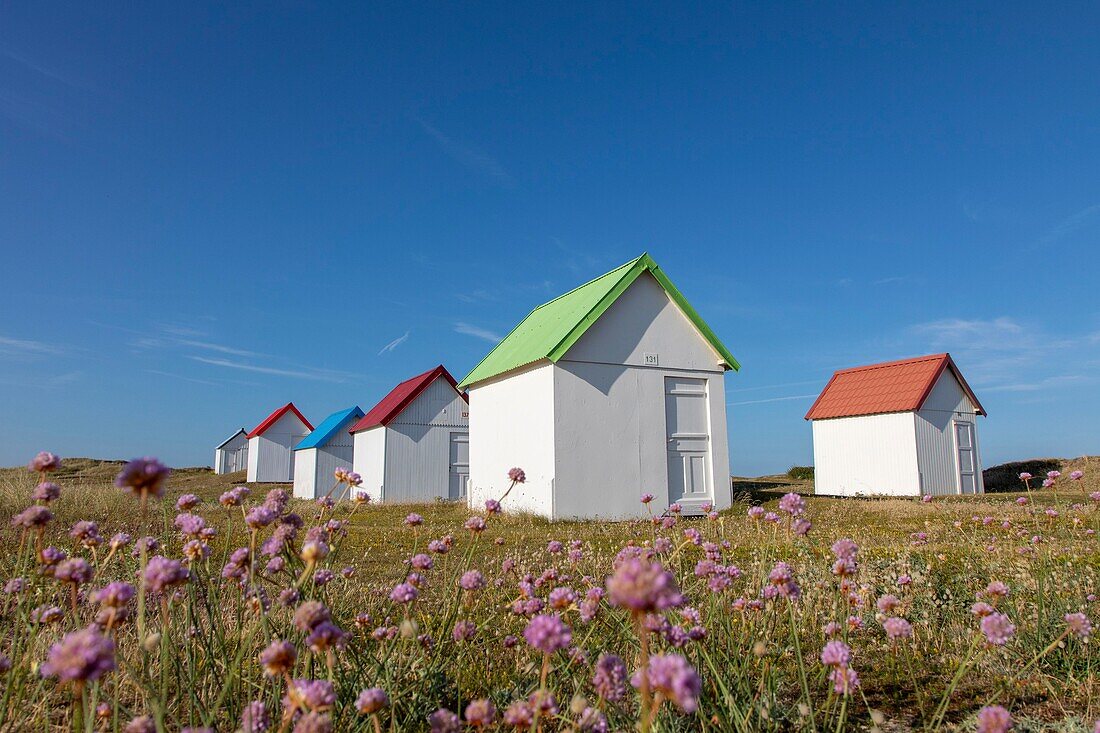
893,386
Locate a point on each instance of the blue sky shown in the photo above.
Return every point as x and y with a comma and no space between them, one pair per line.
206,212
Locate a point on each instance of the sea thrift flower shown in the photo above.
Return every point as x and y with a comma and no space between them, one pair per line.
492,506
34,516
888,603
46,492
464,630
278,658
75,570
518,715
162,573
756,512
80,656
475,524
845,680
646,498
187,502
792,504
641,586
314,551
1078,624
115,594
404,593
143,477
472,580
672,676
372,700
517,475
259,517
255,719
836,654
480,713
994,719
444,721
897,628
141,724
44,462
998,629
548,633
414,520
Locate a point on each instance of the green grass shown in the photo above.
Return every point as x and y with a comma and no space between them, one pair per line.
203,670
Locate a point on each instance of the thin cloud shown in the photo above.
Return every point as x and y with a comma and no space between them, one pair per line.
183,378
477,332
774,399
474,159
394,344
1070,224
777,386
320,375
221,349
10,345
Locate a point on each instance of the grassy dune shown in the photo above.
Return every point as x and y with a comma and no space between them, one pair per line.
194,662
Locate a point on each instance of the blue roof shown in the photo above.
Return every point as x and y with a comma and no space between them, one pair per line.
329,427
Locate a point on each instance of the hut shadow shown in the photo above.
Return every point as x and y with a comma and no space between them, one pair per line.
758,490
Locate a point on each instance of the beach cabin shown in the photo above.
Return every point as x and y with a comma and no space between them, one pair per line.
271,444
231,455
324,450
900,428
413,445
609,392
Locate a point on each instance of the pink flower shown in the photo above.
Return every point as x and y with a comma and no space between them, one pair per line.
897,628
1077,475
143,477
672,676
548,633
998,629
642,586
481,713
82,655
372,700
517,475
994,719
836,654
1078,624
414,519
646,498
792,504
44,462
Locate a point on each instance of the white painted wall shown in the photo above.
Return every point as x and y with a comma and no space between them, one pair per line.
370,460
512,424
305,473
232,456
270,455
937,457
867,455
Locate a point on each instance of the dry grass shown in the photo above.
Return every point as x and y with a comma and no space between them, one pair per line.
749,665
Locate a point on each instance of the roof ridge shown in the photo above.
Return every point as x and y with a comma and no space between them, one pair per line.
599,277
896,362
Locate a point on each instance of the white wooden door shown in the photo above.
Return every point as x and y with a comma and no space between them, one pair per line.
459,458
968,464
687,429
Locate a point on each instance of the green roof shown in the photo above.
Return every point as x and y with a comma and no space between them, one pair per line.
551,329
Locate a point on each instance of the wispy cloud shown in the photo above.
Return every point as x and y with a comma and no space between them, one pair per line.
1069,225
394,344
477,332
320,375
220,348
777,386
183,378
470,157
774,399
475,296
10,345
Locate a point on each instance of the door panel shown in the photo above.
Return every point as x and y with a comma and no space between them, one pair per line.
687,438
964,443
459,463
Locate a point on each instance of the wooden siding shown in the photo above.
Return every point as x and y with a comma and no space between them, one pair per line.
867,455
937,459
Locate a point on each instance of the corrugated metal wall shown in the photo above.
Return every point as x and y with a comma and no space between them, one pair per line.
418,445
935,434
274,459
370,460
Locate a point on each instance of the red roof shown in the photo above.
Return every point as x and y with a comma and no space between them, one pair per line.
893,386
401,397
274,418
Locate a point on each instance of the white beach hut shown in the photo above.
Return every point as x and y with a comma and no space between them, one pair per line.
606,393
271,443
413,445
900,428
231,455
324,450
